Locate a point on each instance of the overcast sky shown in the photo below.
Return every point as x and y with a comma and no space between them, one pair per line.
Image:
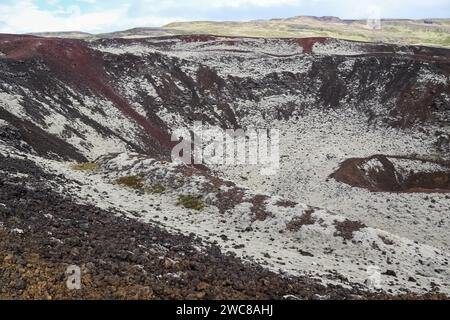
22,16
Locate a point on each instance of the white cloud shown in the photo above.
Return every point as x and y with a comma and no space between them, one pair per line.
24,16
387,8
256,3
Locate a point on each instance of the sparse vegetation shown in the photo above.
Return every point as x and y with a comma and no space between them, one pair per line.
157,188
133,182
445,42
138,183
191,202
407,32
87,166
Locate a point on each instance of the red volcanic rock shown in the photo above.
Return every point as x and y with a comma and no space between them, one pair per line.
81,66
308,43
381,173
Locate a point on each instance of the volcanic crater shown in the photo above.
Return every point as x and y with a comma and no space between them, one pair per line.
77,116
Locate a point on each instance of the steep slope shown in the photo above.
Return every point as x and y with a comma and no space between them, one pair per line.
72,77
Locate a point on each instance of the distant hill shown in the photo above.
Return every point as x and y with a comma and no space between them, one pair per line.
65,34
141,33
428,32
134,33
431,32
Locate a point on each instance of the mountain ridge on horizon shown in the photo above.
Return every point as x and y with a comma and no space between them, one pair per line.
428,31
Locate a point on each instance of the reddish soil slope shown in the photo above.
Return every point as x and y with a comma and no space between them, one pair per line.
383,176
72,61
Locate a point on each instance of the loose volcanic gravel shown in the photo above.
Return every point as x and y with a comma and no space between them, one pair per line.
42,234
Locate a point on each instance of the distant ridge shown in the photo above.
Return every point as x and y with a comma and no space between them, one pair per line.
141,33
63,34
427,32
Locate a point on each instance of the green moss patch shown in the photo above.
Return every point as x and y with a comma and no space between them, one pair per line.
157,188
191,202
87,166
133,182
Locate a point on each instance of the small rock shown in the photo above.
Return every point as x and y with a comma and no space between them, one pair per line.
390,273
202,286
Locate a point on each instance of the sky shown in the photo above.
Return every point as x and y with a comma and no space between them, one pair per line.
96,16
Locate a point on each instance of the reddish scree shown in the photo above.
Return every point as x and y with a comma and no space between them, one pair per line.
81,66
